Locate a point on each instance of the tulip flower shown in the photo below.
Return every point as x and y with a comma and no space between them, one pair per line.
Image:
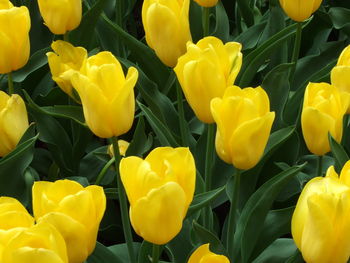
61,16
64,61
341,72
206,3
160,190
41,243
107,96
123,147
203,255
74,211
167,28
323,111
205,71
321,219
14,40
13,121
244,123
13,214
300,10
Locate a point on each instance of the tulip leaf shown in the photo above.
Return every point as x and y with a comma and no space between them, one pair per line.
250,37
121,251
255,211
140,143
102,254
246,12
202,199
36,61
164,135
13,166
338,152
111,193
205,236
279,251
145,252
222,26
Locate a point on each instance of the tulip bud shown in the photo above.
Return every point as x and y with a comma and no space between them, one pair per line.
167,28
74,211
160,190
13,214
123,147
61,16
206,3
13,121
205,71
340,74
244,123
40,243
320,223
323,111
106,94
300,10
64,61
14,40
203,255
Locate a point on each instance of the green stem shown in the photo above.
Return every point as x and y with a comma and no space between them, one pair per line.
319,165
123,203
182,120
10,83
65,37
205,21
209,158
296,50
155,253
104,170
232,214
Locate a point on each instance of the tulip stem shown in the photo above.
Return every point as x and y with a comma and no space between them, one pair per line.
65,37
123,203
232,214
296,50
319,165
104,170
10,83
155,253
182,120
205,21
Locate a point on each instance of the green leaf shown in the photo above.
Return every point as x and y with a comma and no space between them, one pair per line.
279,251
222,26
255,211
338,151
246,11
145,252
102,254
121,251
202,199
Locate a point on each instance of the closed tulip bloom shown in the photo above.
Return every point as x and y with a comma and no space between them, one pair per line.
167,28
75,211
203,255
61,16
13,214
13,121
323,111
160,190
106,94
340,74
41,243
205,71
64,61
320,223
300,10
14,38
244,123
206,3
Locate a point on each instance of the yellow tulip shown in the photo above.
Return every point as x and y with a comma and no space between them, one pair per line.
205,71
13,121
167,28
244,123
14,38
323,111
206,3
300,10
106,94
160,190
75,211
64,61
41,243
203,255
123,147
13,214
320,223
340,74
61,16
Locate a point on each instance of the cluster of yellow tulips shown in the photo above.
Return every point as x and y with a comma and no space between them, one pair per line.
160,187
